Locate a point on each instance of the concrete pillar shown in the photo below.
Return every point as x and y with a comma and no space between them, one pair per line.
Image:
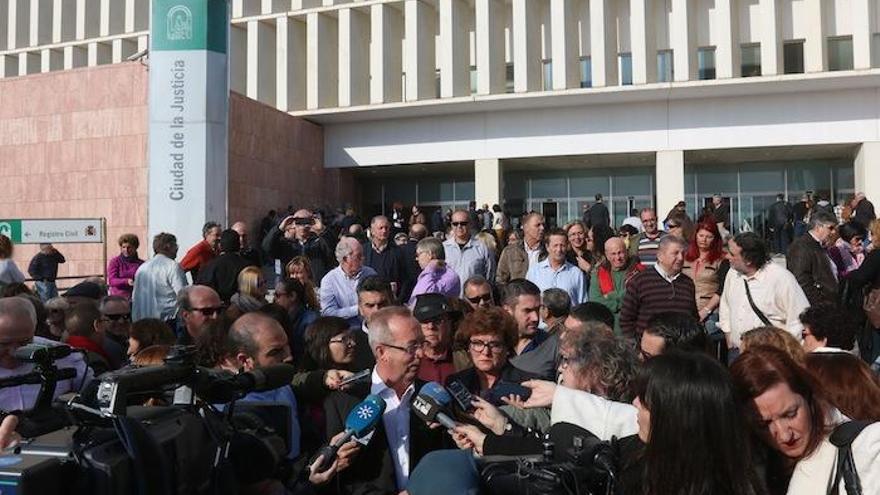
290,65
527,74
487,181
771,37
728,55
454,49
566,60
323,86
41,22
862,13
100,54
18,24
683,40
386,64
238,58
261,61
669,177
491,71
75,56
815,45
867,171
51,60
603,43
63,21
88,19
123,48
354,57
644,41
28,63
6,63
420,60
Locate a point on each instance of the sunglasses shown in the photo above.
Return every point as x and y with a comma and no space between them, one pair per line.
211,311
482,298
459,224
118,317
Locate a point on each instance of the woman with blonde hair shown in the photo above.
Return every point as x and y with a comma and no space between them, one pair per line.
300,268
251,294
777,338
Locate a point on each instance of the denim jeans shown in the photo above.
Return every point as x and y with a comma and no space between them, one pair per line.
46,290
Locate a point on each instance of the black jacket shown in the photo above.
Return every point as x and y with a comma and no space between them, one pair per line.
864,213
372,472
315,249
388,264
509,373
221,274
811,267
779,214
599,215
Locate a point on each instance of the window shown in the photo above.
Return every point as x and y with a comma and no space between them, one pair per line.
508,87
473,79
437,83
586,73
706,63
875,50
840,53
547,72
793,57
626,68
751,60
664,66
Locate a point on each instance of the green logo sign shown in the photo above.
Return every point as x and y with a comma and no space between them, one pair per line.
190,25
11,229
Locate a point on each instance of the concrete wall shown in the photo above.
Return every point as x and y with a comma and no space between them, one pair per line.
73,145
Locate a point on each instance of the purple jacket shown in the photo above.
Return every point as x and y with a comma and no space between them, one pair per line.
439,279
119,271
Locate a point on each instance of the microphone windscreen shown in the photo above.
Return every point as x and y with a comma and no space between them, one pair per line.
365,415
272,377
436,391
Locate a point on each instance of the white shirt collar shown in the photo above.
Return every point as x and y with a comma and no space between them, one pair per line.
664,275
379,387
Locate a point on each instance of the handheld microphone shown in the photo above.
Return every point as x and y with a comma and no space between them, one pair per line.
430,403
362,419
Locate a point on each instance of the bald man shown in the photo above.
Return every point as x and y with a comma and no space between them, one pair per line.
610,278
294,237
247,251
198,304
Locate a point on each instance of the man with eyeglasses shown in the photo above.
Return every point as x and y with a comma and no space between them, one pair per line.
18,322
198,304
393,451
478,292
647,243
435,317
157,282
809,262
464,254
294,237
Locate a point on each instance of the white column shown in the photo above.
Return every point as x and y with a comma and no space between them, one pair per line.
867,171
123,48
75,56
644,41
728,55
16,32
41,22
100,54
420,50
815,45
354,57
527,74
487,181
88,18
28,63
51,60
563,24
386,76
771,38
5,64
861,27
603,43
322,61
261,61
454,65
63,21
491,71
683,40
669,176
290,64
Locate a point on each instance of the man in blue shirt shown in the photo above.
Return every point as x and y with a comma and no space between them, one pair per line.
555,272
257,341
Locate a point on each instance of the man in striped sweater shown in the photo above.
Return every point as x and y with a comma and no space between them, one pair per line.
657,289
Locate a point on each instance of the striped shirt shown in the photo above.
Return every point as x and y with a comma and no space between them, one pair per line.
651,292
648,248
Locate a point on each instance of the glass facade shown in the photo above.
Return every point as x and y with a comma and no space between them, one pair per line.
625,67
427,192
751,60
793,57
752,187
567,191
840,53
706,62
664,66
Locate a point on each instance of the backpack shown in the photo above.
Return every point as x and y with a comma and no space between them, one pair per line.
842,437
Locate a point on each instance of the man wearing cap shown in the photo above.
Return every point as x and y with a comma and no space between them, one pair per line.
221,273
435,318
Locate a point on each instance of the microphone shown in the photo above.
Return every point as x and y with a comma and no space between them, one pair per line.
37,353
430,403
217,386
362,419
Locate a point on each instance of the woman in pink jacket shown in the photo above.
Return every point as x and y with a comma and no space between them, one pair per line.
436,275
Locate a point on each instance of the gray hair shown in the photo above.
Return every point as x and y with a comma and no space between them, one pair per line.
557,302
822,218
379,218
345,247
667,240
380,324
57,303
609,360
433,247
477,281
111,299
18,307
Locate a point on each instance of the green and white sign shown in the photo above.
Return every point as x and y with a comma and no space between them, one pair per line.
53,231
189,108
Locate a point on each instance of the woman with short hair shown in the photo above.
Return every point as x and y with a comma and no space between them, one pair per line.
122,268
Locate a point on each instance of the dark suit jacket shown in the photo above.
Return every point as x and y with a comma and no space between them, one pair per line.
372,472
509,373
812,268
221,274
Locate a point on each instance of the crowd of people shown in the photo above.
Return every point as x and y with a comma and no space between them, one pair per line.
716,368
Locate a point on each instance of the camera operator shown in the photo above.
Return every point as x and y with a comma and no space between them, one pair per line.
17,325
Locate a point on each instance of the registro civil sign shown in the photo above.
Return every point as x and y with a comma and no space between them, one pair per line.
55,231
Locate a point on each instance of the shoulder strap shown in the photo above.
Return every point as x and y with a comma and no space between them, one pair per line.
842,437
757,311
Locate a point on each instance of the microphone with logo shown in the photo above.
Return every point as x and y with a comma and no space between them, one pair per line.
430,404
361,420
